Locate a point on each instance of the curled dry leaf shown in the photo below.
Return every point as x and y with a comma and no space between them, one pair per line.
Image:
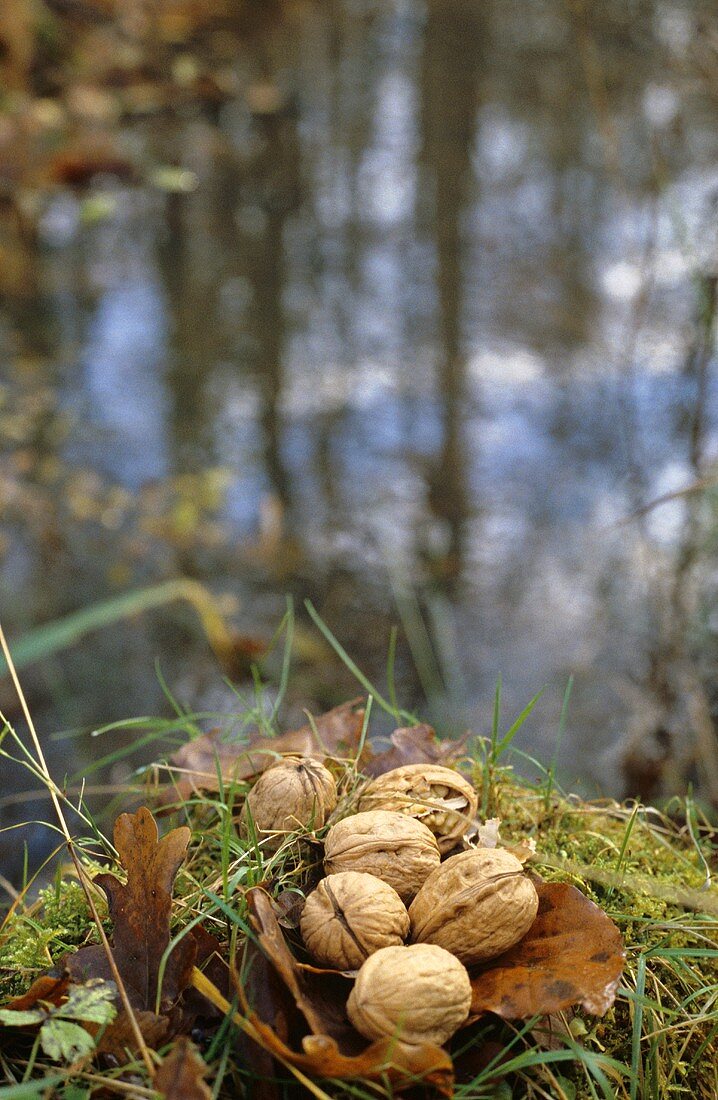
288,1006
572,955
405,1066
48,988
297,982
415,745
181,1075
336,733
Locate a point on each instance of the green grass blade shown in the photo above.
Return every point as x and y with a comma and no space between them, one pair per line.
496,717
559,738
28,1090
508,737
353,668
636,1064
390,673
288,624
53,637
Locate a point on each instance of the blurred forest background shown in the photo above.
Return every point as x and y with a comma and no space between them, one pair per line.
404,306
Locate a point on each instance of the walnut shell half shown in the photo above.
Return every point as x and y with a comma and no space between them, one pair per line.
350,916
420,994
295,793
398,849
477,904
439,797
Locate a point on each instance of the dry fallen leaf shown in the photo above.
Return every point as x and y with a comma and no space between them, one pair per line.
572,955
118,1038
415,745
48,988
140,911
181,1075
283,1001
336,733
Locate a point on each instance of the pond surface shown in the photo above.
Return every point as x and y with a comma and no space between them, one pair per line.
416,322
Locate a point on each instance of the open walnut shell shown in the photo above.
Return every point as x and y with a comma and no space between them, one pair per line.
439,797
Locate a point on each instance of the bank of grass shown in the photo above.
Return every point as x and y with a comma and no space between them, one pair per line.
648,871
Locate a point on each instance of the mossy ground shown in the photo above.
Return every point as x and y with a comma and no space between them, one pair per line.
649,873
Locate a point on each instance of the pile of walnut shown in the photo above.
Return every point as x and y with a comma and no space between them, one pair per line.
386,884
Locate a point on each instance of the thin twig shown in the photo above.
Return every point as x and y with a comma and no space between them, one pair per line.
8,887
125,1087
697,486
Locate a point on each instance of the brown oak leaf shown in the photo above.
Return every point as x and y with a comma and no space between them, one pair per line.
140,910
336,733
572,955
181,1075
118,1038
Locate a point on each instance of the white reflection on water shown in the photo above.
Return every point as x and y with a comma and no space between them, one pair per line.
428,312
123,391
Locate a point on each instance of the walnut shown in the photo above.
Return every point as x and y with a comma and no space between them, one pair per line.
419,994
400,850
350,916
295,793
438,796
477,904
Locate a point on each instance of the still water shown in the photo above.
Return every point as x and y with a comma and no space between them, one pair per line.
422,326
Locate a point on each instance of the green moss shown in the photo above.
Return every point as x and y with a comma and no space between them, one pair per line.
33,940
648,876
65,909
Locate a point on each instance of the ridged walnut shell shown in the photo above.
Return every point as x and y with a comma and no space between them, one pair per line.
439,797
419,994
293,794
477,904
350,916
397,849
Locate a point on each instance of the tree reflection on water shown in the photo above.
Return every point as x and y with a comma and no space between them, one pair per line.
439,306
